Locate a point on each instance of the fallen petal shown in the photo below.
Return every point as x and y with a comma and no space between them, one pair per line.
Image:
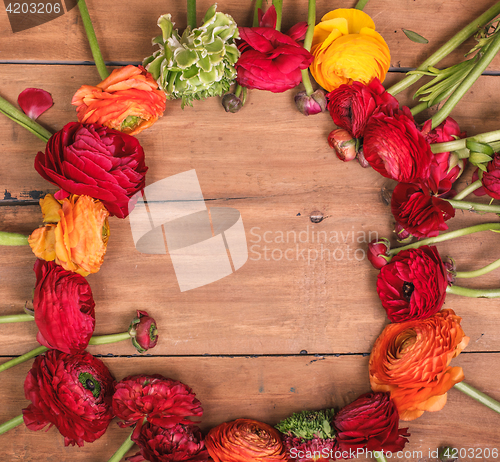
34,102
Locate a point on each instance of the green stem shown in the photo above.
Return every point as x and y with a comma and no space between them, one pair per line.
306,81
482,64
94,46
96,340
379,456
447,236
237,91
311,22
479,272
191,14
361,4
478,396
244,96
20,359
474,206
258,6
468,190
22,119
111,338
456,145
13,239
473,293
447,48
123,449
10,424
278,4
419,108
9,318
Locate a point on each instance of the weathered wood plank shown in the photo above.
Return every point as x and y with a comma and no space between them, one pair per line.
269,389
127,37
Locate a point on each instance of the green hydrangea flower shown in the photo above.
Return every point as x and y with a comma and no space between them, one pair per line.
309,425
198,64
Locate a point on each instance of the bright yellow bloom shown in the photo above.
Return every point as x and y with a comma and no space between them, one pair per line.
346,48
75,235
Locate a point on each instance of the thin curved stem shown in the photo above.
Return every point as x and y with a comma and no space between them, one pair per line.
13,239
111,338
311,22
123,449
474,206
10,318
464,86
456,145
447,236
473,293
94,46
10,424
20,359
479,272
278,4
361,4
478,396
191,14
258,6
22,119
468,190
447,48
379,456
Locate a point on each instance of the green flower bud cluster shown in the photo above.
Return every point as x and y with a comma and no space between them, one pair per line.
198,64
309,425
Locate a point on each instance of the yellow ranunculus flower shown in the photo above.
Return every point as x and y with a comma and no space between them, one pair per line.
75,234
346,48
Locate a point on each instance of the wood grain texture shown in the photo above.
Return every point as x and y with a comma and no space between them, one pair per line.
306,287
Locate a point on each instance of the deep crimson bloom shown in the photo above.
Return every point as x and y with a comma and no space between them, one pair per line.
72,392
164,402
182,442
446,167
371,422
300,446
377,253
395,148
143,332
419,212
92,160
352,105
64,308
490,180
413,285
271,60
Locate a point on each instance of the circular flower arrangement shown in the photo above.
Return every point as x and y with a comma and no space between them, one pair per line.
100,168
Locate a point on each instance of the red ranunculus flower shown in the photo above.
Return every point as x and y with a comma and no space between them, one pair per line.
395,148
352,105
302,450
271,60
72,392
418,212
164,402
490,180
64,308
92,160
371,422
143,332
179,443
413,285
446,167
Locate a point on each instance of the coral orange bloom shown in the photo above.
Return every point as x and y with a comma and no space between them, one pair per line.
75,234
245,440
128,100
346,48
411,361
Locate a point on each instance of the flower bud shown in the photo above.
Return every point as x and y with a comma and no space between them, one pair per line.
361,159
231,103
310,105
143,332
451,270
343,143
402,235
378,253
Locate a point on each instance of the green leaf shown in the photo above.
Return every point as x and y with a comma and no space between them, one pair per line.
477,158
480,147
414,37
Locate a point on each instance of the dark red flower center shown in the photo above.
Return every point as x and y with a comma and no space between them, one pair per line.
408,289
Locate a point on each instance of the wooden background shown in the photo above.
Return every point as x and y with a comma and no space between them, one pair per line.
277,336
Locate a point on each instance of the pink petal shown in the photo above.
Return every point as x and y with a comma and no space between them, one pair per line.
269,18
34,102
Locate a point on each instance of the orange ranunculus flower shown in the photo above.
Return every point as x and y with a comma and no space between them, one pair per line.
75,234
128,100
411,361
346,48
245,440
